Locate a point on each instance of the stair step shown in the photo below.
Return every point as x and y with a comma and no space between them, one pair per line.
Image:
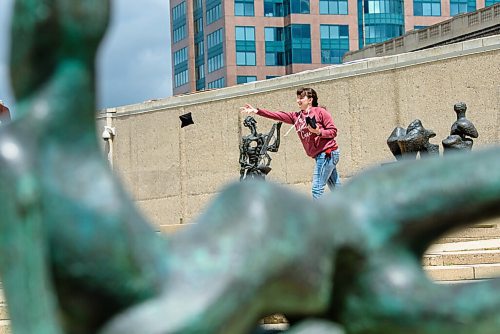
169,229
463,253
451,239
477,231
4,314
485,244
462,258
5,327
463,272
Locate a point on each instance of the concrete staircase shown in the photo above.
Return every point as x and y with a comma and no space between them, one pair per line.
468,255
4,322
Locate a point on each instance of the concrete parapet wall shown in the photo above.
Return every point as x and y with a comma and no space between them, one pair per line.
172,173
480,23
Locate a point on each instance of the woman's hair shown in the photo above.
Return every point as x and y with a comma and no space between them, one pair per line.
310,93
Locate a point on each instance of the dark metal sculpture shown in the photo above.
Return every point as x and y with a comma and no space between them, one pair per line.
462,131
407,143
255,161
76,256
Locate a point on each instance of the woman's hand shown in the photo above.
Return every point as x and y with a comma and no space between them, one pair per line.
316,131
248,109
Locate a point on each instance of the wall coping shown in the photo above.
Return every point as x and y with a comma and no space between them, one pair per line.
354,68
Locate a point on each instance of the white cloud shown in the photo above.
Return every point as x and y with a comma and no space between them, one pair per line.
134,60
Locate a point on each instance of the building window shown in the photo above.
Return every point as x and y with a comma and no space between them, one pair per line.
490,2
180,56
462,6
427,7
243,8
298,44
214,11
299,6
274,8
219,83
275,46
381,32
241,79
385,6
334,43
198,5
245,46
179,11
179,22
272,76
381,20
214,38
333,7
179,33
215,62
419,27
198,26
200,72
198,49
181,78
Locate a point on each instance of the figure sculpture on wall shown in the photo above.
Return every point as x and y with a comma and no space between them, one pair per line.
462,131
77,256
255,161
407,143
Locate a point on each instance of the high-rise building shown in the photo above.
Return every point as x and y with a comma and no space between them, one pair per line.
219,43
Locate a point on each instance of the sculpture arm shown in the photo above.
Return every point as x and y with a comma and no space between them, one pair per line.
276,144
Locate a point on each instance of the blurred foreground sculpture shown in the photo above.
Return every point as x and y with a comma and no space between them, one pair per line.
407,143
255,162
462,131
77,257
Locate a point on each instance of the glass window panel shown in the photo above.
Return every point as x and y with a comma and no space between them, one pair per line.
269,34
436,9
250,34
240,33
343,7
240,58
251,58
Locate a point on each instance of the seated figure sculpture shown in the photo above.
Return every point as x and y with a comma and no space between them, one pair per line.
461,133
407,143
255,162
76,255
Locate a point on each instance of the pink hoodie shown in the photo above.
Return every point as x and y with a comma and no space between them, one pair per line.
313,144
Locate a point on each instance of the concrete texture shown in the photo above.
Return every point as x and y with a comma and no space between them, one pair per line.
4,314
4,327
472,260
449,273
459,273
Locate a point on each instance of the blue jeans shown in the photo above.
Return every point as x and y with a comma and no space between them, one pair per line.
325,172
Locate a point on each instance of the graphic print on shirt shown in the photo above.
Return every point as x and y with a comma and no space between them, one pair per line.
301,128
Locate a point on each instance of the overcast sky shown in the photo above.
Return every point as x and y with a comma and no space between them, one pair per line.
133,61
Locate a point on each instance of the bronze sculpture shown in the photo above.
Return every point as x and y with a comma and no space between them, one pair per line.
77,257
461,133
407,143
255,162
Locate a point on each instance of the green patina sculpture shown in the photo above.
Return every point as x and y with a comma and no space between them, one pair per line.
76,256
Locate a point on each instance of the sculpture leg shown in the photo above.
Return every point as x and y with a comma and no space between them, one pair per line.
24,263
